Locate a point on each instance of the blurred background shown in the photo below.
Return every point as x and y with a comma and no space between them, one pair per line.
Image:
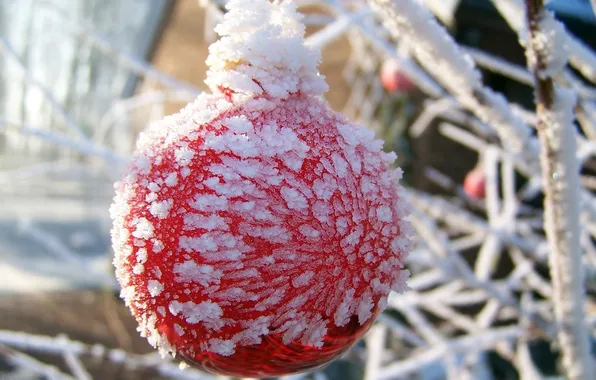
80,79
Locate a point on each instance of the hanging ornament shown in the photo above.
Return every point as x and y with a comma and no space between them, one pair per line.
475,183
257,232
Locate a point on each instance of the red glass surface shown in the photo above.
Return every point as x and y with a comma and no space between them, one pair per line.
272,358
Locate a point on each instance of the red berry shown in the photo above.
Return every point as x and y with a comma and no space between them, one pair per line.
475,183
395,80
258,233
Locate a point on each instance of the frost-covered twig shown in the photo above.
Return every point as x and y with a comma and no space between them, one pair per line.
580,55
560,173
74,363
438,53
473,342
335,29
55,246
82,146
375,344
21,360
408,66
58,345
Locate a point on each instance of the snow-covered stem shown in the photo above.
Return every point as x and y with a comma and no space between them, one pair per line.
560,173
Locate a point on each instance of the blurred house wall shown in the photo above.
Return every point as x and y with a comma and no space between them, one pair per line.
46,37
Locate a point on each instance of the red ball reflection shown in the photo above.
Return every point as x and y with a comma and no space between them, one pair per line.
272,358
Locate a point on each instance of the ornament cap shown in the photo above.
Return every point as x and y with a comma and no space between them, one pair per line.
262,52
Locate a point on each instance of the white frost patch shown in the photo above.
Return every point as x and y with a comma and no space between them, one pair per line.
325,187
347,132
155,288
208,312
142,256
238,124
222,347
143,230
321,211
340,165
161,209
294,200
303,279
313,336
143,164
158,246
209,202
341,224
342,314
179,330
203,243
384,214
190,271
184,155
365,307
172,179
245,167
399,283
240,145
309,231
272,300
209,223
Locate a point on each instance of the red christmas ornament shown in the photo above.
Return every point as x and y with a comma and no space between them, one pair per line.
257,232
394,80
475,183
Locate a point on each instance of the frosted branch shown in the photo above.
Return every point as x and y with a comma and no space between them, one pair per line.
474,342
83,146
580,55
59,345
560,173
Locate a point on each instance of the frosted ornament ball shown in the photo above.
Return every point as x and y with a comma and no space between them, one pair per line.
257,232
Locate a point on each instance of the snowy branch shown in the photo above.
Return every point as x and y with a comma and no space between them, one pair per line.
560,173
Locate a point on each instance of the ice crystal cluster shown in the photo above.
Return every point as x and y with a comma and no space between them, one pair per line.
257,209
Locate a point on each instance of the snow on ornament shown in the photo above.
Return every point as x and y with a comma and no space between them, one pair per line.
257,232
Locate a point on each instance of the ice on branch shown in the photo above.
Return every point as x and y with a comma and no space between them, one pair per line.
550,43
262,52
